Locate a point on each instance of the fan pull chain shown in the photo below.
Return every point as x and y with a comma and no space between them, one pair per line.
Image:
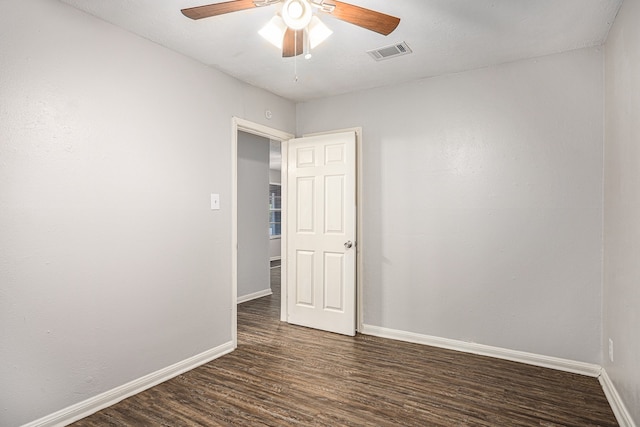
295,56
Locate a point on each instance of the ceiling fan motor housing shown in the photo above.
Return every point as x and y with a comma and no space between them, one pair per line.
296,14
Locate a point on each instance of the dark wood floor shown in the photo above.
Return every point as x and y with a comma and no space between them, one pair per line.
283,375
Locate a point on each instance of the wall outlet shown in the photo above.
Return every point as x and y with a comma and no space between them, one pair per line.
610,350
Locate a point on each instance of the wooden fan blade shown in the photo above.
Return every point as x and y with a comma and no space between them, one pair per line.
206,11
293,43
365,18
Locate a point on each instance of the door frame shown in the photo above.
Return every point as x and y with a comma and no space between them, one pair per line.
238,124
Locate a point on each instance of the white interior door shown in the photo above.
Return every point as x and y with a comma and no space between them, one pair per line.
321,232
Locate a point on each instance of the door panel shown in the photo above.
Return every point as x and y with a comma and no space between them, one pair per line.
304,278
305,209
334,282
334,205
321,203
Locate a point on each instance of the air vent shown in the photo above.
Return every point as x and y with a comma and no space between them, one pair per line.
391,51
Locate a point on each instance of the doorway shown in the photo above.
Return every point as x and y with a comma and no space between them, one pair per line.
266,135
284,137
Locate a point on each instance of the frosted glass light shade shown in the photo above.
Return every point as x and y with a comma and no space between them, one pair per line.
274,31
318,32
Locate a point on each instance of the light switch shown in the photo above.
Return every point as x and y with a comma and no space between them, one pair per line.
215,202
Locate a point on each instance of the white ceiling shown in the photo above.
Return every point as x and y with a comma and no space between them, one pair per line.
445,36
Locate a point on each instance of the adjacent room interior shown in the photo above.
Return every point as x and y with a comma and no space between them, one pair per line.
499,204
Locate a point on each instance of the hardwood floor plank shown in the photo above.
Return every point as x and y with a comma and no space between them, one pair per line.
285,375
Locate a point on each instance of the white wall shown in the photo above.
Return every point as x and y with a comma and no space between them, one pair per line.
112,265
622,207
253,214
483,203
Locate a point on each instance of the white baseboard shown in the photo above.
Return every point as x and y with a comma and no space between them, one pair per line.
255,295
486,350
92,405
617,405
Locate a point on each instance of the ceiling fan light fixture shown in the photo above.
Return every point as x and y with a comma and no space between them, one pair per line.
296,14
317,31
274,31
306,46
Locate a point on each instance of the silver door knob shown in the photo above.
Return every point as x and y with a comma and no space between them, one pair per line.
348,245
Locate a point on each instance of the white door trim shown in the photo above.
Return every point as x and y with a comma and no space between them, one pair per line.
238,124
359,227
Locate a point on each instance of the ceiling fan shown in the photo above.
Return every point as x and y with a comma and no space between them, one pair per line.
296,30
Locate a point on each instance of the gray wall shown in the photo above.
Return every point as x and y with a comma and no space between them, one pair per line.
622,207
275,250
253,214
112,265
275,176
483,203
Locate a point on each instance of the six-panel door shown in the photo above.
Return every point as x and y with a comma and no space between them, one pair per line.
321,232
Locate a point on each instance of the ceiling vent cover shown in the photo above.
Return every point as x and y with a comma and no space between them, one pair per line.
390,51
